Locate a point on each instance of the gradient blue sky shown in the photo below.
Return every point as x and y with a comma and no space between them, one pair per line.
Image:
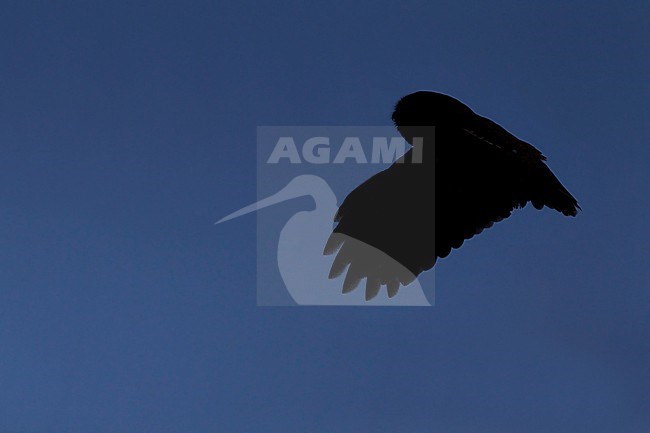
128,128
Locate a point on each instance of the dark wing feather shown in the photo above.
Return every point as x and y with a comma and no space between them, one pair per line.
483,175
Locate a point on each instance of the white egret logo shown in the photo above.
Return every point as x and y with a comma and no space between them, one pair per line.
302,265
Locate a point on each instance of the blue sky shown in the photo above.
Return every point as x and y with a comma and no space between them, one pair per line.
128,128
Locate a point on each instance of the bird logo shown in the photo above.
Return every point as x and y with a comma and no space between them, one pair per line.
304,269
